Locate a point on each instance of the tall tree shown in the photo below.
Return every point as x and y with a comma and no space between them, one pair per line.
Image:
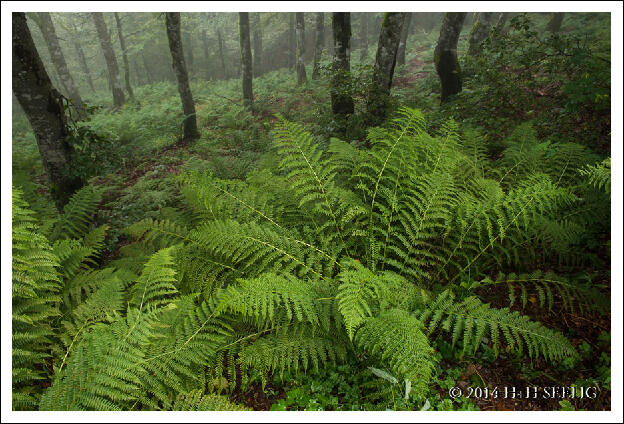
556,19
292,42
111,61
403,42
301,71
179,66
340,84
246,65
445,54
82,59
43,105
318,43
364,35
378,98
479,31
257,46
206,47
148,72
58,59
188,52
124,55
224,73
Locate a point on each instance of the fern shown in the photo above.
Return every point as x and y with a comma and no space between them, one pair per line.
599,175
75,220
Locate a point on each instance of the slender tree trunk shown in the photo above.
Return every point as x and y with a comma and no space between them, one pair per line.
188,52
445,54
223,69
179,67
43,105
379,95
83,63
138,78
479,32
245,47
301,71
124,56
554,25
257,46
58,59
148,72
111,61
364,32
340,85
206,47
502,20
318,44
292,43
403,42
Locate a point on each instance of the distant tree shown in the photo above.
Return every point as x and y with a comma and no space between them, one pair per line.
556,19
58,60
318,44
502,19
44,107
340,84
479,31
148,71
300,31
364,23
206,47
246,65
383,72
188,52
403,42
111,61
224,73
257,46
292,42
124,55
179,67
82,59
445,54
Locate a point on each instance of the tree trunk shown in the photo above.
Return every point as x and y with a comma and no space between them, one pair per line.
292,42
148,72
179,67
554,25
223,69
318,44
43,105
83,63
188,52
403,42
364,32
340,84
445,54
206,47
257,47
58,59
379,95
111,61
301,71
479,32
502,19
245,47
124,55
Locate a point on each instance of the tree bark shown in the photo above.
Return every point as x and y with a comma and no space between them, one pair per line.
292,42
379,95
445,54
318,44
554,25
58,59
124,56
257,47
479,32
43,105
340,84
300,31
83,63
403,42
111,61
246,65
364,31
221,56
179,67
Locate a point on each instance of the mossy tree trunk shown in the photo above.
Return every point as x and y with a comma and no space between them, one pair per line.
224,73
377,102
300,32
403,41
340,84
554,25
364,35
58,59
44,107
172,20
124,55
257,46
445,54
246,65
479,31
319,43
111,61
